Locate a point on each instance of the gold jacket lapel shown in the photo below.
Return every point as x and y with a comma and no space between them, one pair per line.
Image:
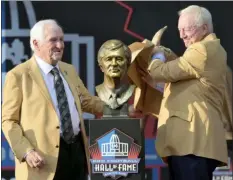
38,78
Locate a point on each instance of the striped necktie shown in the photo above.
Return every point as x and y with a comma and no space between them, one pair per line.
63,106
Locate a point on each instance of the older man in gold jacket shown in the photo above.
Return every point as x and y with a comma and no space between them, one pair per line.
191,135
43,101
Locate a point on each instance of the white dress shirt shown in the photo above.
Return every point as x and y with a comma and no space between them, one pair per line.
49,81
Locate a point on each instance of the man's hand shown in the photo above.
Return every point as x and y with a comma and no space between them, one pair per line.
134,113
34,160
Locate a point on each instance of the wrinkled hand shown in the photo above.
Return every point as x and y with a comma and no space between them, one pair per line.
34,160
134,112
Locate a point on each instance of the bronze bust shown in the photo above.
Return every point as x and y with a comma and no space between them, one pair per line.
114,58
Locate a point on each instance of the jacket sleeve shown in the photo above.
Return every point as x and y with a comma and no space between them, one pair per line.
190,65
11,107
227,106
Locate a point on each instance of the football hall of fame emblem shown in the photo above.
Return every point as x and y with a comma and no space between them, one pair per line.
114,155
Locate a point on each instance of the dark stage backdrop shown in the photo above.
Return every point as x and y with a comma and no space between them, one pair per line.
86,26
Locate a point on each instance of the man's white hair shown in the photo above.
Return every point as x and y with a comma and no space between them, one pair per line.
202,16
37,31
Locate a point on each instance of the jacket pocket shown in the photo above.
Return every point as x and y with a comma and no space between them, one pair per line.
187,116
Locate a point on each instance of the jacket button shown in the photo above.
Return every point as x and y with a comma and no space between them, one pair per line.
57,146
57,127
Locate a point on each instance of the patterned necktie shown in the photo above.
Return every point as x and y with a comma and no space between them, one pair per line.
63,106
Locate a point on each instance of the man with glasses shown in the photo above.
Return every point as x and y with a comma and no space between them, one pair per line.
190,134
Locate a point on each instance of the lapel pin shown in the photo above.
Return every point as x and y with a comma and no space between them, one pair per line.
65,72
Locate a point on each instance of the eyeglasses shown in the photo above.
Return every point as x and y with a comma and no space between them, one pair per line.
190,29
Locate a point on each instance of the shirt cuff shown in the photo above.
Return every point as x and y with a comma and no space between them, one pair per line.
159,56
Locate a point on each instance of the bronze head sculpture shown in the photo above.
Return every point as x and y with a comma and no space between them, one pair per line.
114,58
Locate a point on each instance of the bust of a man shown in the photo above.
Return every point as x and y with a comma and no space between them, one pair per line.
114,59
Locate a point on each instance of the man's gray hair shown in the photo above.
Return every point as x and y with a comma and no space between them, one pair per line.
202,15
37,31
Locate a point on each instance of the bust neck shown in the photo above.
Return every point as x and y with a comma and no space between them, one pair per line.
112,83
123,93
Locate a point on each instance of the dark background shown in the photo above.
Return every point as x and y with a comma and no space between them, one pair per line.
105,20
108,20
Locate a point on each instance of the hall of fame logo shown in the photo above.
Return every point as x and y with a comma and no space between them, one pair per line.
114,155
